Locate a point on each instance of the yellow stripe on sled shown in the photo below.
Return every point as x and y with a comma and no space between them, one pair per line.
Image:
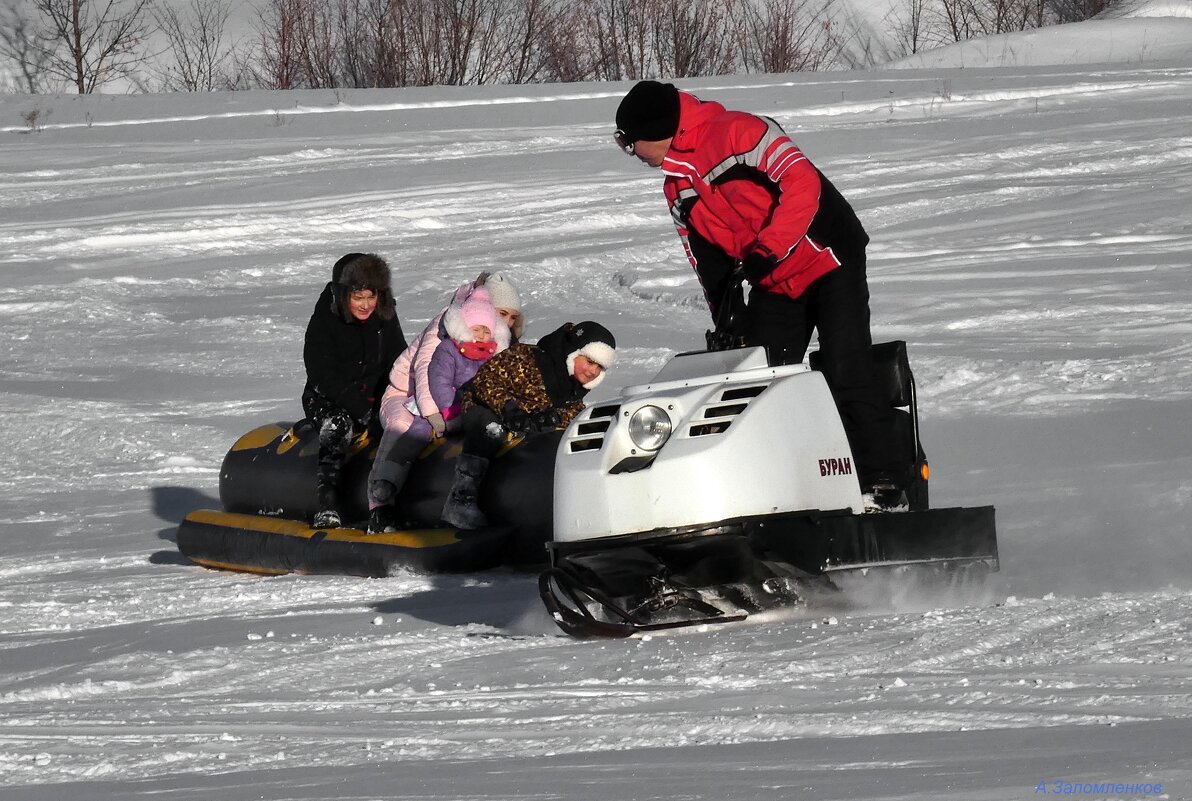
217,565
259,437
414,538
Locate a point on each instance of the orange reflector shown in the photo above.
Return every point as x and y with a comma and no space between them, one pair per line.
925,471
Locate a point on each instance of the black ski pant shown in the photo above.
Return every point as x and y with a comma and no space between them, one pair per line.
336,430
837,306
484,431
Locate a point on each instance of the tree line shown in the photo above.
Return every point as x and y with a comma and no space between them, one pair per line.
149,45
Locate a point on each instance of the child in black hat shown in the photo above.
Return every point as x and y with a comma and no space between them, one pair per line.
522,391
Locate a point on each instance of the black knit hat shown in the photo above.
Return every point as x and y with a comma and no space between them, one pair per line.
594,341
650,112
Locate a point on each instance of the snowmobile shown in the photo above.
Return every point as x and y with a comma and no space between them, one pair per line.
726,486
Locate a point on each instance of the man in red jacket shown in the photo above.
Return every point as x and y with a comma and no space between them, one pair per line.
748,204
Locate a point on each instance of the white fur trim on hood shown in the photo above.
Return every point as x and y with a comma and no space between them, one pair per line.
597,352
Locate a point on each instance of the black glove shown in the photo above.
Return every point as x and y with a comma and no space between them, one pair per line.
515,419
546,420
756,266
723,340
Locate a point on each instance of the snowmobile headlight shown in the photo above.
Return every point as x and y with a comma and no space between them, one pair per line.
650,428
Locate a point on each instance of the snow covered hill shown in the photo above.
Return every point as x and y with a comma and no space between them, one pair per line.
1141,32
161,256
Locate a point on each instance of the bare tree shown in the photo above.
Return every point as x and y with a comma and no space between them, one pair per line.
509,46
968,19
788,35
240,70
909,27
959,19
318,44
196,43
277,57
622,34
88,43
1075,10
1012,15
392,47
692,37
19,43
373,42
467,21
484,53
567,46
528,23
352,18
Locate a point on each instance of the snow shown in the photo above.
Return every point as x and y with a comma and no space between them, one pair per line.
162,253
1128,32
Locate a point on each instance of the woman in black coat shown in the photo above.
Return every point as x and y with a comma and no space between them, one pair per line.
352,340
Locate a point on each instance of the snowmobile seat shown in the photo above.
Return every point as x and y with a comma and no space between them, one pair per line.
893,368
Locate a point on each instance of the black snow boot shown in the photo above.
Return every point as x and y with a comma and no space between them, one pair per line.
462,509
328,514
388,479
335,434
382,519
884,493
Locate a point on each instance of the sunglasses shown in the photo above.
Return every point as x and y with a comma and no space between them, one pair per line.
623,141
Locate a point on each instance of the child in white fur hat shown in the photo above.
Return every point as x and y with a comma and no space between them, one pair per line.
525,390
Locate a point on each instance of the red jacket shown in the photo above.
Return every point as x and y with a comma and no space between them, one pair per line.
736,183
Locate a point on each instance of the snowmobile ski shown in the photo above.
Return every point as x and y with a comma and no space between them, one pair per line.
570,603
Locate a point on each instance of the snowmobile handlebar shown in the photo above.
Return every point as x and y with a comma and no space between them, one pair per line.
725,335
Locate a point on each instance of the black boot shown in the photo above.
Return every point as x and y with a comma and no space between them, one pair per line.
328,514
331,458
884,492
382,519
387,479
461,509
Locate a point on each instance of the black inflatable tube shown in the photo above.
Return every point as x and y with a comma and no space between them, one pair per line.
267,491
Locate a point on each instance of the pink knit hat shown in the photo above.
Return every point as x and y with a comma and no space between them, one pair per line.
477,309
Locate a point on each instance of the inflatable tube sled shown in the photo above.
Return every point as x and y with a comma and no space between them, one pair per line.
267,493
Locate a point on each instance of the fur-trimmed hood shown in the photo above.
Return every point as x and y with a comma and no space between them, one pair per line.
357,271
